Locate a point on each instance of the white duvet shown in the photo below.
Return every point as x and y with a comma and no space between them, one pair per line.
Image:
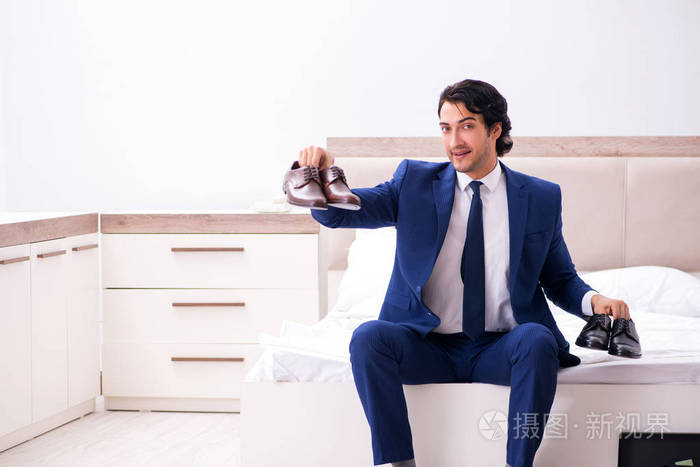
664,304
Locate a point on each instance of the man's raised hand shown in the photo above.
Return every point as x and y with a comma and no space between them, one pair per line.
315,156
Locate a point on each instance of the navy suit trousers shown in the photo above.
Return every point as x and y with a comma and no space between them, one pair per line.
385,355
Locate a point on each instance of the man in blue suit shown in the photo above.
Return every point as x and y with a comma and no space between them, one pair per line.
477,243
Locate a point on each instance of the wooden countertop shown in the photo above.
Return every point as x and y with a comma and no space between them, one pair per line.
241,221
18,228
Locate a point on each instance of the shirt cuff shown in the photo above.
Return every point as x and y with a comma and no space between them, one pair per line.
586,305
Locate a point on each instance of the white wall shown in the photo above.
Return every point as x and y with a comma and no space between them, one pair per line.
3,175
203,104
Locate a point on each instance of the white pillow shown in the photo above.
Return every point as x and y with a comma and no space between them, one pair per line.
370,262
656,289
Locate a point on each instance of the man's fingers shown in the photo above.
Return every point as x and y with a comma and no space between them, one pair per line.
617,311
612,307
318,157
311,155
307,157
622,310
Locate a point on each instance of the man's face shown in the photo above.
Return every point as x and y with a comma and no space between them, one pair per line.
468,143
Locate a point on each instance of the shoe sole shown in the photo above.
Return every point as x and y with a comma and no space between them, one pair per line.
318,208
623,353
348,206
590,344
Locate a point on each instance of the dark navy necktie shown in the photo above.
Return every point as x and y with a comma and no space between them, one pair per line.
472,269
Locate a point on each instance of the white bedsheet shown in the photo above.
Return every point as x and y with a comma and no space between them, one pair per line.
670,348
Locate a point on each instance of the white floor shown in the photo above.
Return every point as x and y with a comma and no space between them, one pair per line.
108,438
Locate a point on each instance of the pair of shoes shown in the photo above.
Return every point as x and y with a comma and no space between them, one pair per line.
309,187
620,339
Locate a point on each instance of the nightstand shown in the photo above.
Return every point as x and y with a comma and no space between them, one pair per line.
185,296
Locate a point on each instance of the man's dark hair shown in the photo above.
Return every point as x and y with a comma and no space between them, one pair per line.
482,98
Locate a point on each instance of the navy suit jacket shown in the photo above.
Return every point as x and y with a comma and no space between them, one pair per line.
418,202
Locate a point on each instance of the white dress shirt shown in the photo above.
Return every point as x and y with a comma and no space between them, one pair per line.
443,291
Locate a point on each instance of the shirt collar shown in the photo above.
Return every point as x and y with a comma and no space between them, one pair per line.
490,180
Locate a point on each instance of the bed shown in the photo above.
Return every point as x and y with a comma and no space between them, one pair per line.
631,213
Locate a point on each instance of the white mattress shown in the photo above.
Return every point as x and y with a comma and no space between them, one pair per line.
670,349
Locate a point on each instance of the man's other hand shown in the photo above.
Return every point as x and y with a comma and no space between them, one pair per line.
610,306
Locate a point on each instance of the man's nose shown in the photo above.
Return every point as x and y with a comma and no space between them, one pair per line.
455,140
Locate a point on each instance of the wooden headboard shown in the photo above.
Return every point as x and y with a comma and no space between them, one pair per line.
627,201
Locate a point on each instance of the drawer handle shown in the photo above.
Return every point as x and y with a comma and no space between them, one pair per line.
50,254
14,260
236,248
208,304
207,359
85,247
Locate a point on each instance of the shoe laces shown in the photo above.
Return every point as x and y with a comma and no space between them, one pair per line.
625,327
310,173
624,324
337,172
598,319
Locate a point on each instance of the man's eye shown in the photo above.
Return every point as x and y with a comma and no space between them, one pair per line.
467,126
443,128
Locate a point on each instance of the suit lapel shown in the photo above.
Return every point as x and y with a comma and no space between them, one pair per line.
444,195
517,216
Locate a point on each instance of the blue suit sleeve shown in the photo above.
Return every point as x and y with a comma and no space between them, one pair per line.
379,205
559,280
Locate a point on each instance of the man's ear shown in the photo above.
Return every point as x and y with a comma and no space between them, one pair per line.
496,129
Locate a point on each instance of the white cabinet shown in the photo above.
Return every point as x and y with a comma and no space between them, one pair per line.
49,337
49,263
15,343
182,312
82,319
65,333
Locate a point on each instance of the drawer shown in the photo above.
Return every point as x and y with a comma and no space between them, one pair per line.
147,370
203,315
283,261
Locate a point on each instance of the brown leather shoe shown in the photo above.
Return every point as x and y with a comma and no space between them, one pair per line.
335,187
302,185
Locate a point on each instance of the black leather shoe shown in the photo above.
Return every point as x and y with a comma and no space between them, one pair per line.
624,340
595,333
